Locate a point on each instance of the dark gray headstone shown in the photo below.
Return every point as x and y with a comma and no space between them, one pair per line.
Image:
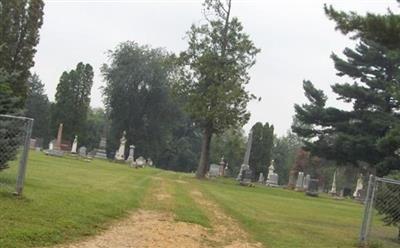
312,187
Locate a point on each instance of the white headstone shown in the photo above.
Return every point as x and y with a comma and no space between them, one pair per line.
75,144
214,170
140,161
272,178
333,189
306,181
51,145
299,183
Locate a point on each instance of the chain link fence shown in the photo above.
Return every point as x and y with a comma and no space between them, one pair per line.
15,134
381,222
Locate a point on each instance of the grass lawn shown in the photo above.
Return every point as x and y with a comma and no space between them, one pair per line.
66,199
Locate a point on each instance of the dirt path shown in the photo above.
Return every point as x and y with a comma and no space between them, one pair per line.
226,230
157,228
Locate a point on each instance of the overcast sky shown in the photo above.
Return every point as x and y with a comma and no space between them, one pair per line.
295,37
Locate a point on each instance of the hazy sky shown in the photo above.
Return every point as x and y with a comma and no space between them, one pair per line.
295,37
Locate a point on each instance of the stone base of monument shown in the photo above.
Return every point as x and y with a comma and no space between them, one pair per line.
55,153
101,154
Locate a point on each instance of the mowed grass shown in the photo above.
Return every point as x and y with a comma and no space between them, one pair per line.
283,218
66,199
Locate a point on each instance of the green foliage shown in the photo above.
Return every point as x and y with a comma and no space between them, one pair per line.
20,21
37,106
214,73
357,135
383,29
284,153
95,127
9,138
261,148
138,98
231,145
72,102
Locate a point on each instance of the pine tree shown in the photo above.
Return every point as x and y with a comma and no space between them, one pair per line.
37,106
349,137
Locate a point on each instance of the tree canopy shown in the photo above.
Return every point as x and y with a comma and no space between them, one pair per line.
72,101
214,73
367,132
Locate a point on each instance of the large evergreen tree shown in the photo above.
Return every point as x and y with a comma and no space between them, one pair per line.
20,21
214,75
37,106
72,101
358,135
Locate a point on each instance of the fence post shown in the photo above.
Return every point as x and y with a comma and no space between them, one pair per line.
24,158
367,211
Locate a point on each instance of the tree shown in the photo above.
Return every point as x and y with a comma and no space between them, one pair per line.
214,73
351,137
37,106
383,29
95,127
261,148
8,130
284,153
231,144
72,101
20,21
138,98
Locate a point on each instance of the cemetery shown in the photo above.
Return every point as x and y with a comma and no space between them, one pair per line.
204,123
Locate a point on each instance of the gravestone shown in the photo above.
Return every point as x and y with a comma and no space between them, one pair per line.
261,178
306,182
246,176
272,179
333,188
32,143
359,187
101,151
57,145
312,187
213,171
245,165
299,183
222,167
53,152
140,161
82,151
74,144
131,154
120,154
51,144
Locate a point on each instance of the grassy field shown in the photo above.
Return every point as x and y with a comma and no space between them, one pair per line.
66,199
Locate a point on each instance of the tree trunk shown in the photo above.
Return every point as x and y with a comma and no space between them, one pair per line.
205,153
